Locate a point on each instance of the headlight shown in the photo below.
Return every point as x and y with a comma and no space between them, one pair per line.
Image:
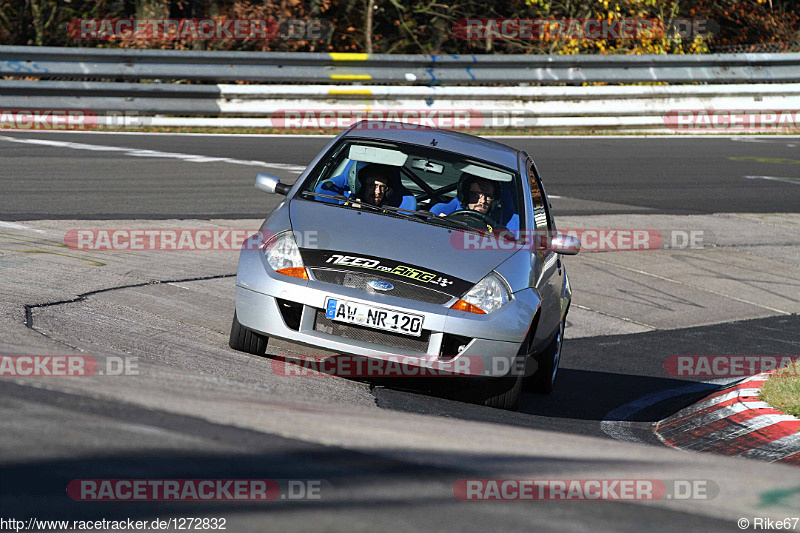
488,295
283,256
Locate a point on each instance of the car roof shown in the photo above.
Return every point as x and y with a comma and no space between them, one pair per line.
451,141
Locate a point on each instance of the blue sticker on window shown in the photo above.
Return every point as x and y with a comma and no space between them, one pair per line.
330,312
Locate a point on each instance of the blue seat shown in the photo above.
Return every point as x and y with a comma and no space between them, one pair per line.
445,208
401,197
336,185
509,216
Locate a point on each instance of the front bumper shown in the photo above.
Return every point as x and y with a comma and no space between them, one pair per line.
495,338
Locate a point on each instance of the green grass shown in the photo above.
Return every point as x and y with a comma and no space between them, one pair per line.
782,389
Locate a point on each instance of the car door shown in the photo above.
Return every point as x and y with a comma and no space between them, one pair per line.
547,264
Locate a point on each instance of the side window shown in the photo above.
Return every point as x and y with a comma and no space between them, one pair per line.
540,217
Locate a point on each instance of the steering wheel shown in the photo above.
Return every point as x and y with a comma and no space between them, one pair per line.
469,214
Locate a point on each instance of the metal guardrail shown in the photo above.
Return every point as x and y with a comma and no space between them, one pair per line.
265,100
109,97
230,105
537,91
277,67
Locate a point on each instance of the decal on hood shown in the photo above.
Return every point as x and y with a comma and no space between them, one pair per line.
422,277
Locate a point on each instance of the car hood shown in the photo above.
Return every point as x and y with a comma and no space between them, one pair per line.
321,227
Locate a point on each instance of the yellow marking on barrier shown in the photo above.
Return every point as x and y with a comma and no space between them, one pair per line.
346,56
362,92
351,77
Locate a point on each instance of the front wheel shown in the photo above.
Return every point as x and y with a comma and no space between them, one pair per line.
506,395
505,392
545,377
246,340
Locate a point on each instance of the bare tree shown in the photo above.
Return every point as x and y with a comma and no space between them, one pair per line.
368,25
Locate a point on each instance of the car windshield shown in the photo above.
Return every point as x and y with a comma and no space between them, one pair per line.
426,184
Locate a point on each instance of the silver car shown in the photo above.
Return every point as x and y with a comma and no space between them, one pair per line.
431,245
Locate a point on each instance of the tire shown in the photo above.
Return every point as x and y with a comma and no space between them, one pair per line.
544,378
504,393
245,340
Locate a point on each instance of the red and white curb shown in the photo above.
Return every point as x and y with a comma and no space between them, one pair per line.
734,421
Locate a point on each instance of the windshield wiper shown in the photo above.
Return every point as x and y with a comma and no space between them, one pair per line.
430,218
354,202
463,225
423,215
338,197
444,221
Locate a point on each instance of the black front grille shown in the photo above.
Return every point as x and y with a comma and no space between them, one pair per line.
452,346
291,312
357,280
373,336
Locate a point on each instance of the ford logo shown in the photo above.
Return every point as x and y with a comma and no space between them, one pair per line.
380,285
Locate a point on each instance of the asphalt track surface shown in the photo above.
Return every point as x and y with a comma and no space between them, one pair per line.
203,411
602,175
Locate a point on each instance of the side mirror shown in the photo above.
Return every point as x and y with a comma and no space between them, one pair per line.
271,184
565,244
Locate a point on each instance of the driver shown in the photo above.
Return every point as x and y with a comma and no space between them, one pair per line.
490,200
480,194
474,193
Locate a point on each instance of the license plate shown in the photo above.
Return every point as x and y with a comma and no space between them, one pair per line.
373,317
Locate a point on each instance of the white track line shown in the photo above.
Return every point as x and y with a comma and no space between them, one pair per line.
135,152
705,289
13,225
185,134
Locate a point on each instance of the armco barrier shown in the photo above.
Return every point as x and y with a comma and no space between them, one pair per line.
129,64
415,85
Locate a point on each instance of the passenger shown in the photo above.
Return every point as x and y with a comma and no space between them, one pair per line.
375,188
